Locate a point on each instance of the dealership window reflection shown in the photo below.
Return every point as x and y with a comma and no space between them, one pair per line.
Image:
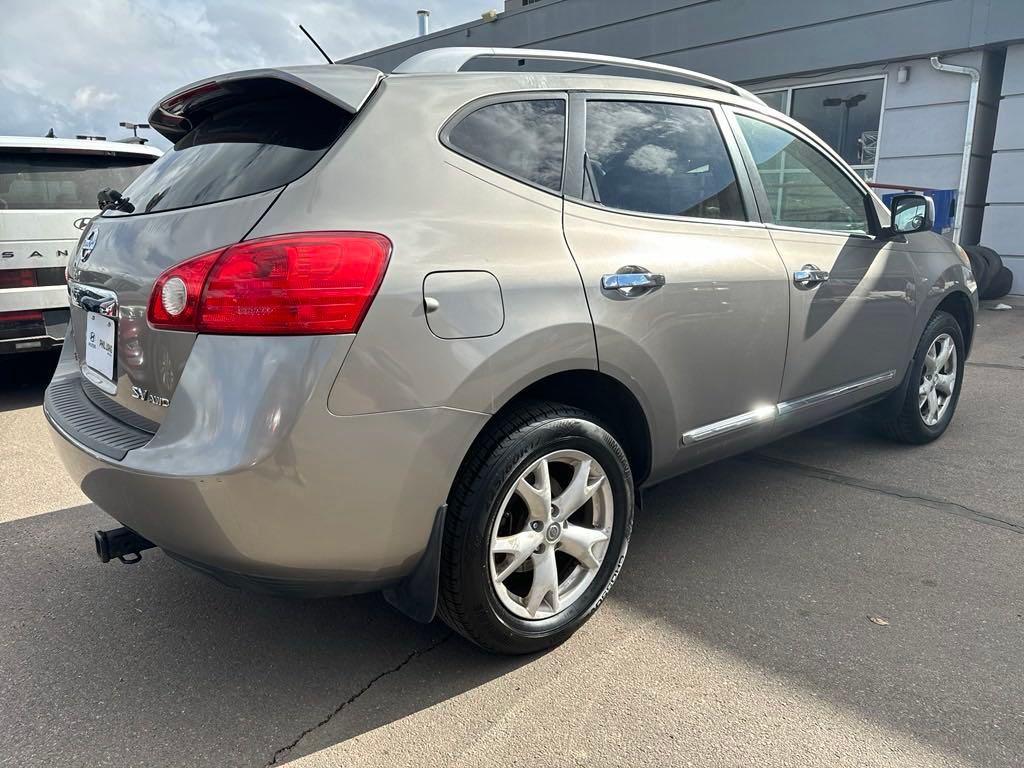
845,114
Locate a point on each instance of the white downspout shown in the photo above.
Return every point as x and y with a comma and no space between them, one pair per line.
965,166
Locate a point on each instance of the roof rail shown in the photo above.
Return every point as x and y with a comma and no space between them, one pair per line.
442,60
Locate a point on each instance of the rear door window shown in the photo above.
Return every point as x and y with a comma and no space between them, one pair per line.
241,149
40,181
667,159
523,138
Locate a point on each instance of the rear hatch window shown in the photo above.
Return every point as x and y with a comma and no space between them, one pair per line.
31,180
245,143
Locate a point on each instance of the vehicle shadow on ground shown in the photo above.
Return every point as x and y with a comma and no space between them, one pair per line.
23,379
780,571
785,571
104,663
154,660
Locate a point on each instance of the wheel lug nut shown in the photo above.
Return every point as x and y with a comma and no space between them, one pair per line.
536,525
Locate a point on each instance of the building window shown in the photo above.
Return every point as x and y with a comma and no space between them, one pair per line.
778,100
845,114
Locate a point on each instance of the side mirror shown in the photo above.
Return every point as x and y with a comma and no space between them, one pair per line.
911,213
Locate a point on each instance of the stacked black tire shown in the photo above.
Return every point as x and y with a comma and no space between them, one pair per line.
994,280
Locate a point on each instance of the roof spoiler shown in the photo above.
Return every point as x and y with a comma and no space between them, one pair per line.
345,86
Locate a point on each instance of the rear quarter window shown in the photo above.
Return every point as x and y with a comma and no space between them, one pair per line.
241,149
523,138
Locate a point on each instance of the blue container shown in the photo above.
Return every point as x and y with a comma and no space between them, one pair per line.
945,208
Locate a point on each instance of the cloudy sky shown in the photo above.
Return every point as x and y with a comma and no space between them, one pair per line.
82,66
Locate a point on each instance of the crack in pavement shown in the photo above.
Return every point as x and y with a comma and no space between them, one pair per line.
949,507
419,652
1000,366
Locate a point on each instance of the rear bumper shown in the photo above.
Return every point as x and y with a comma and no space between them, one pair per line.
43,297
251,479
44,330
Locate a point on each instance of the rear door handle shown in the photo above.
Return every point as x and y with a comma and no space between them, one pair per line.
809,276
633,282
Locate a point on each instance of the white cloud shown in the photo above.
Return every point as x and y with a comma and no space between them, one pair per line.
90,97
81,66
651,158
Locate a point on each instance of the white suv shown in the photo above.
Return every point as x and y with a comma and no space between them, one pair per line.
47,197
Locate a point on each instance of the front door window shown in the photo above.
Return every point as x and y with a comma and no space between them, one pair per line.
805,189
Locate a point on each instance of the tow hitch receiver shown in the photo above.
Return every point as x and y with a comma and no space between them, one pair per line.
121,543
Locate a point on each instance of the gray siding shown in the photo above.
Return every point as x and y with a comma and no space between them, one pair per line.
923,125
742,40
1004,217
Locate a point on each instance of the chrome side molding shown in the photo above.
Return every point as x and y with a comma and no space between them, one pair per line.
725,426
817,398
768,413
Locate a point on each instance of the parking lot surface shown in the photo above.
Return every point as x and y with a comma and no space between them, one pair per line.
740,632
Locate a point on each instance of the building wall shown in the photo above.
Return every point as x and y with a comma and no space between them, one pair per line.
762,44
1003,228
921,136
741,40
924,122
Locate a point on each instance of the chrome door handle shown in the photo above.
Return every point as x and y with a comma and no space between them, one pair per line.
628,283
810,275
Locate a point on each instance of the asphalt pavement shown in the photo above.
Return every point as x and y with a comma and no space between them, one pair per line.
829,600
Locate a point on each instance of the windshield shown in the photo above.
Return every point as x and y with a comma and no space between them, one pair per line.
31,180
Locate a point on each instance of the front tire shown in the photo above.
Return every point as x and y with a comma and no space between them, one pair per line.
933,390
537,528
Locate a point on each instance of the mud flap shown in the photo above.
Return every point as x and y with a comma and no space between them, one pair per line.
416,594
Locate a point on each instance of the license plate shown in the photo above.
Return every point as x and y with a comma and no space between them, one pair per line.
100,333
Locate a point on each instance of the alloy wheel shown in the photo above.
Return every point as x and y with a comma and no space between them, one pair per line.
551,534
938,380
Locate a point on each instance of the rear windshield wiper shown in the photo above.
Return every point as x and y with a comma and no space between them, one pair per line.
112,200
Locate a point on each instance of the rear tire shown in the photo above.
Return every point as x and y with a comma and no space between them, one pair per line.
519,574
933,388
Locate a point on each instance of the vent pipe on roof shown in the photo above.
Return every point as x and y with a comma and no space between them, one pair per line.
423,20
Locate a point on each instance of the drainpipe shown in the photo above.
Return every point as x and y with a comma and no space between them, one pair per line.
965,166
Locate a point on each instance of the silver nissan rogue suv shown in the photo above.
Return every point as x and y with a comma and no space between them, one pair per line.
432,332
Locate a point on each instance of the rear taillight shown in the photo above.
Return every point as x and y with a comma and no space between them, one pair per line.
306,283
22,316
17,278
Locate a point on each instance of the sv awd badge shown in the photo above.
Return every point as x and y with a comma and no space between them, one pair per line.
143,394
